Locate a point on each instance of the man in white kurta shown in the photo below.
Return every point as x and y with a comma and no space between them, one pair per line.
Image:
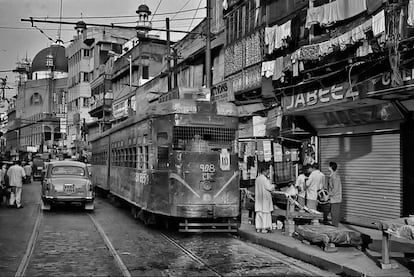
263,205
16,174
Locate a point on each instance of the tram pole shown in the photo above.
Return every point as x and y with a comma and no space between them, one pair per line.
208,46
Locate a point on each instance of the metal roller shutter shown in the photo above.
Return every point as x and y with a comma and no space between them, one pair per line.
371,174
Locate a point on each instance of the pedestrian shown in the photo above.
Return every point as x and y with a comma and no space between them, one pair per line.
335,193
301,185
28,171
16,175
263,205
3,186
315,182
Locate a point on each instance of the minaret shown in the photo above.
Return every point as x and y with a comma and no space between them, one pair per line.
143,24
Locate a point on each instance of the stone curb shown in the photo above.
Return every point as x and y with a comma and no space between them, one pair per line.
294,252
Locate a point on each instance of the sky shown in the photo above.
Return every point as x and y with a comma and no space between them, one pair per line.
18,39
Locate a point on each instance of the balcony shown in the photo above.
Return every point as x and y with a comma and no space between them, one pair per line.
101,107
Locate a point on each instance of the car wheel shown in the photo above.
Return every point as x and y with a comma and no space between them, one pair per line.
89,206
45,206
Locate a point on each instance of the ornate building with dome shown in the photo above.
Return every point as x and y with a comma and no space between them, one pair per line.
39,123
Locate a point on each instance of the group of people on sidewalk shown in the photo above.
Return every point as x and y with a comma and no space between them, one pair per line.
11,183
312,188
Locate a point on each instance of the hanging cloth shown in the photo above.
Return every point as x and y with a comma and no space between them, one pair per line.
330,13
350,8
278,72
378,23
314,16
410,19
268,69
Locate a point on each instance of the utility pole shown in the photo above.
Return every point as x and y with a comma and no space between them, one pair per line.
3,86
208,46
167,25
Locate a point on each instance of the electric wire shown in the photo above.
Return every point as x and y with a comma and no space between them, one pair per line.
156,9
195,14
115,16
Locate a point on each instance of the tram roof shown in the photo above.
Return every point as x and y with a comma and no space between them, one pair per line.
173,106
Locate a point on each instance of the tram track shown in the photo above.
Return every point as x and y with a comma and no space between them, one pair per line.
190,254
27,264
297,266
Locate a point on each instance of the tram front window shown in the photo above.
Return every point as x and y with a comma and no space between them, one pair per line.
203,139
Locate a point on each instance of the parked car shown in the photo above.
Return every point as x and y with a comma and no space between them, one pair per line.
67,182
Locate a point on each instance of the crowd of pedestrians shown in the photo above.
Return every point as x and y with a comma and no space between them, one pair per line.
11,183
314,191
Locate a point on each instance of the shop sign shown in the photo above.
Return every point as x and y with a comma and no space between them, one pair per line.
222,92
319,97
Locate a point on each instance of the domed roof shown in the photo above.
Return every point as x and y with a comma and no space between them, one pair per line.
60,61
80,25
144,8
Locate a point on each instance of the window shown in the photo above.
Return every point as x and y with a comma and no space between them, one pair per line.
134,157
68,170
85,77
145,72
139,157
85,102
86,53
163,157
146,155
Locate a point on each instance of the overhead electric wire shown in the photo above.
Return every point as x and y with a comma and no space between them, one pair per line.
156,9
113,16
192,20
161,20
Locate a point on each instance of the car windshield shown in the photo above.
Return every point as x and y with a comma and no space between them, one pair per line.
68,170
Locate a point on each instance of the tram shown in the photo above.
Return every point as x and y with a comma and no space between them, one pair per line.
177,162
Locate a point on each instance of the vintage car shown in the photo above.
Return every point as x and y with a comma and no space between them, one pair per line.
67,182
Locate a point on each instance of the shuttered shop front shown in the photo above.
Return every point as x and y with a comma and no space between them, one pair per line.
371,173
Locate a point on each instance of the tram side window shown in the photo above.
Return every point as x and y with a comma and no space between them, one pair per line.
145,154
163,156
134,157
139,156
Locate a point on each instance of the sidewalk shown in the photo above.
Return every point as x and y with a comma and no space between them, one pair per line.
16,227
347,261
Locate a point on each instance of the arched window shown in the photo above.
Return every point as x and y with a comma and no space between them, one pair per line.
36,99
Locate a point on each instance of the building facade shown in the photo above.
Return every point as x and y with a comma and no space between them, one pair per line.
87,55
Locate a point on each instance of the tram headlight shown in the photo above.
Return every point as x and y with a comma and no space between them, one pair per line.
206,185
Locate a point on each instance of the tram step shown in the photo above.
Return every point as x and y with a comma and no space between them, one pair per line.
198,227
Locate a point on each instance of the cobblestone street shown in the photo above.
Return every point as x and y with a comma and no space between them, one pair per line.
109,242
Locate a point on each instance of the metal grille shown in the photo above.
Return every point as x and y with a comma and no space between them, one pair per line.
215,137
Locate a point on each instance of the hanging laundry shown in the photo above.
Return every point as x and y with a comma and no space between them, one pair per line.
287,63
314,16
357,34
364,50
283,32
309,52
330,13
410,19
268,68
270,38
378,23
278,69
350,8
325,48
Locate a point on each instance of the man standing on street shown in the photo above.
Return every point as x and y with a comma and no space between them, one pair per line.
16,175
263,205
335,193
28,172
315,182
